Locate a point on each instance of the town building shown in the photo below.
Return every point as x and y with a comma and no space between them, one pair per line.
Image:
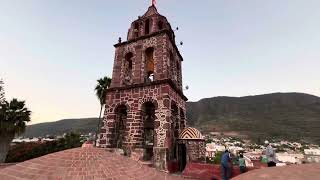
312,155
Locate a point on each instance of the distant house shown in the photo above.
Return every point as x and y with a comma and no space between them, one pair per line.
312,155
291,158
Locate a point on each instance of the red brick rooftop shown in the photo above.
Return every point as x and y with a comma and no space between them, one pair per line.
293,172
83,163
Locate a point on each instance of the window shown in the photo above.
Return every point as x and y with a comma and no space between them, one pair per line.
149,64
128,69
147,27
160,25
128,62
172,69
136,30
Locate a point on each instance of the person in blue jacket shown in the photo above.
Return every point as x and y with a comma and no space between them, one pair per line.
225,165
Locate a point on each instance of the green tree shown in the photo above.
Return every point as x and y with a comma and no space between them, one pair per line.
2,99
13,118
101,91
217,157
72,140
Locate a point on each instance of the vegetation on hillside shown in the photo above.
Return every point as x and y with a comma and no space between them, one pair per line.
2,99
292,116
58,128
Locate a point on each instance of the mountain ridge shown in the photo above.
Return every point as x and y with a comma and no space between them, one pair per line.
292,116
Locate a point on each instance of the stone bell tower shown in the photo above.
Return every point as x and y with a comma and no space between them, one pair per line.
145,106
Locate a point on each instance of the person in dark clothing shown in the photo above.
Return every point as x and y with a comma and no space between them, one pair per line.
225,165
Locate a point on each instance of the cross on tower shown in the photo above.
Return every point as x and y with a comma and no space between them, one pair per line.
154,2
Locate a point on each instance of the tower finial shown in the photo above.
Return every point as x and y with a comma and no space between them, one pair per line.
154,2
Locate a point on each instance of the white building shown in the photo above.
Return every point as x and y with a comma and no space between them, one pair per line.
248,161
25,140
235,149
212,148
315,152
253,155
312,155
290,158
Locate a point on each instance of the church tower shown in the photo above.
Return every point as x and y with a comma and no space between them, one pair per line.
145,106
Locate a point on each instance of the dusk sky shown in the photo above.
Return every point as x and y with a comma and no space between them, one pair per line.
53,51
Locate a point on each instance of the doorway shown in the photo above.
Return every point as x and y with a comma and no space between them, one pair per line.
182,156
120,126
148,114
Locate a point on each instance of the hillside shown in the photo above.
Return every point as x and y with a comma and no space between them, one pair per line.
85,125
291,116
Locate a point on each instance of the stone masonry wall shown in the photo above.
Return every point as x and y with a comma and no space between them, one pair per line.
195,150
164,69
161,95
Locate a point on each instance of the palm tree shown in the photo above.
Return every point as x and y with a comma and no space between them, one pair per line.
13,118
101,91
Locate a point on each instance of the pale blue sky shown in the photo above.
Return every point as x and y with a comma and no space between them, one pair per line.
52,51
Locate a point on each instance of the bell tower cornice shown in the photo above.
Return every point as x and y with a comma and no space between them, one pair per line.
164,31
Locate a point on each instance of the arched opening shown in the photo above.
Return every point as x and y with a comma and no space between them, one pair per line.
160,25
172,66
120,126
128,68
174,129
149,64
128,58
147,27
136,29
148,117
179,81
182,119
182,151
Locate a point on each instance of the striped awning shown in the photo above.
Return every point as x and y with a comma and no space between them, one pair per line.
191,134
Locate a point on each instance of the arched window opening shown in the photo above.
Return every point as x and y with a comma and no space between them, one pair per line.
128,58
128,69
148,117
172,68
179,74
178,66
149,64
120,126
147,27
182,119
171,57
160,25
136,29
